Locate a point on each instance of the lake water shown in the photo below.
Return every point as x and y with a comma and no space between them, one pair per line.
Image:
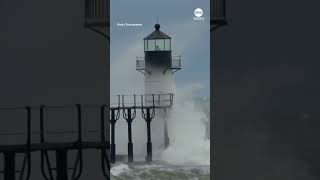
158,171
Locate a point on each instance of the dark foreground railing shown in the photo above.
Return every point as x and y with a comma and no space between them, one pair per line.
218,14
96,16
219,9
61,171
127,105
96,10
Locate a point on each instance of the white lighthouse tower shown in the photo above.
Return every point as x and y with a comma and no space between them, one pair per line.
158,66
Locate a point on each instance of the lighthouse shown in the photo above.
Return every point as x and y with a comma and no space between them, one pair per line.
158,66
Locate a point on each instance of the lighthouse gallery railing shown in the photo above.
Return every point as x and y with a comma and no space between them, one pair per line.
176,63
141,101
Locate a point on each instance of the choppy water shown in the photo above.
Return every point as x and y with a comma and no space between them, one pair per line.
182,160
159,172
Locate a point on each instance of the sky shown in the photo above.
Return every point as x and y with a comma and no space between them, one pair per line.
190,39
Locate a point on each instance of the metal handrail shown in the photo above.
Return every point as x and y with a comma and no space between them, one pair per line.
134,100
140,65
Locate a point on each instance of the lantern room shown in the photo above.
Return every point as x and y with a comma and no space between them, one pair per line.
157,41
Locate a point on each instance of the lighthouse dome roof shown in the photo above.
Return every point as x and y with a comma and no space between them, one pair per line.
157,34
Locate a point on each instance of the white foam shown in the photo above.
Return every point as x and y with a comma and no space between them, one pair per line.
188,143
119,169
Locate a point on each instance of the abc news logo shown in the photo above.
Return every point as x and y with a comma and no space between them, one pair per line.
198,14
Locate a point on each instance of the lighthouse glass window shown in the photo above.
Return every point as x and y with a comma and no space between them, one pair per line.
167,44
159,44
151,45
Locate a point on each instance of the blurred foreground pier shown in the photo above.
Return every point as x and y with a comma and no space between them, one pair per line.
60,146
60,149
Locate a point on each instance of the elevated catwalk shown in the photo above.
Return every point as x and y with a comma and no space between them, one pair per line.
128,105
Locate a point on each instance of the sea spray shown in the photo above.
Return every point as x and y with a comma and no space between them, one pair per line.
187,131
188,156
